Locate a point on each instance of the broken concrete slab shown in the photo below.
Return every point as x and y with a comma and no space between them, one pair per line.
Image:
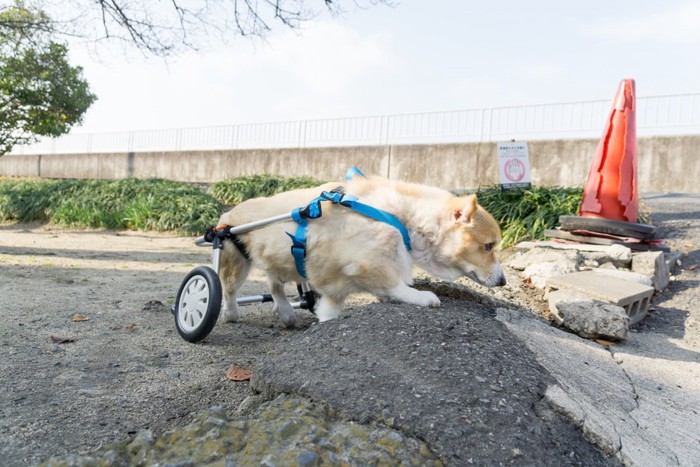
522,261
625,275
539,273
588,317
624,399
619,255
652,264
631,296
558,245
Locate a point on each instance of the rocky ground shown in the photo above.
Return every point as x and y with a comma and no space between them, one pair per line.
116,384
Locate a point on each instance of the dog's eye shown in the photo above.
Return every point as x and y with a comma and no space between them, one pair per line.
489,246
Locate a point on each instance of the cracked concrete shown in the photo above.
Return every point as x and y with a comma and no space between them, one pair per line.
627,400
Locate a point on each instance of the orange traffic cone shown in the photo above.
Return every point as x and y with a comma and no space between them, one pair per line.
611,189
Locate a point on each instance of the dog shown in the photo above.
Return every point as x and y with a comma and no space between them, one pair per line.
346,252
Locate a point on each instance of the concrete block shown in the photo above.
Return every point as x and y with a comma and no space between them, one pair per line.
631,296
625,275
652,264
588,317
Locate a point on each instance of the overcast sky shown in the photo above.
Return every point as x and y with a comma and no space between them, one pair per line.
416,56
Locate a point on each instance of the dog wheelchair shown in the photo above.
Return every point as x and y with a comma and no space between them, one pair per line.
199,298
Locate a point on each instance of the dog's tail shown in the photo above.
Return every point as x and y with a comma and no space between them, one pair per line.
241,247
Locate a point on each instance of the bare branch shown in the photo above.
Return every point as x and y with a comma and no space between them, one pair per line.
164,28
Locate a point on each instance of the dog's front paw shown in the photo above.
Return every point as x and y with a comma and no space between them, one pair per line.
428,298
407,294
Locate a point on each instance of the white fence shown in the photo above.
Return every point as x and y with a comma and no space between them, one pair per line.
656,116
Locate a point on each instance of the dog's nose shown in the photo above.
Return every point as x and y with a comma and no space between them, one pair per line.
501,281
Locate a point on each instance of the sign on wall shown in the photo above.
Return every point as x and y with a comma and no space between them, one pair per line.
513,164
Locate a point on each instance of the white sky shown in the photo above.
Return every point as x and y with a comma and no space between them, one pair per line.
417,56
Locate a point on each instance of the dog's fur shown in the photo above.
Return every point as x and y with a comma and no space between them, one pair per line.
348,252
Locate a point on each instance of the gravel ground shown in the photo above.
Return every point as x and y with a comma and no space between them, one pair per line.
124,374
123,370
675,310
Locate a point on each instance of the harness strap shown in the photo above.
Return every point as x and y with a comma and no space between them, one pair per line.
313,211
352,172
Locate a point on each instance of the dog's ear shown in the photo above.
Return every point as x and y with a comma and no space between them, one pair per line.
465,213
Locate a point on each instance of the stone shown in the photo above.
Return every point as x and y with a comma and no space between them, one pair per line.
620,255
652,264
598,257
539,273
673,260
522,261
249,404
588,317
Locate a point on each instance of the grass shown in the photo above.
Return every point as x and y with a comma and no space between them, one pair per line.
139,204
163,205
131,203
524,214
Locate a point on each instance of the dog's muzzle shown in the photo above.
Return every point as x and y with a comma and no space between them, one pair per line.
495,279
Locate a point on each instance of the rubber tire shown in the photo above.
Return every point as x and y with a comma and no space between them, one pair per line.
201,321
620,228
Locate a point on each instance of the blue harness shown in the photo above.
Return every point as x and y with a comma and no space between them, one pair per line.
336,196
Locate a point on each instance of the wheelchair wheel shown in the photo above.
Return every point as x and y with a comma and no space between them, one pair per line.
198,304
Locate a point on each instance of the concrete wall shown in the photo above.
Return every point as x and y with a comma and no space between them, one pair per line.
665,164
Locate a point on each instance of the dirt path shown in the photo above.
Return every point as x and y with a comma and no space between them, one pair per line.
125,368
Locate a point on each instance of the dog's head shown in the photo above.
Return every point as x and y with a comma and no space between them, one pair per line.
471,237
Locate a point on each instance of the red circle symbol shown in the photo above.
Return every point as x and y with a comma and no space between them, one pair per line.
514,170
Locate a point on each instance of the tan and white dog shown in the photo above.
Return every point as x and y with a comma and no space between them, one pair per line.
348,252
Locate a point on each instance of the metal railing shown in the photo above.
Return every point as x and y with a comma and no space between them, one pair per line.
656,116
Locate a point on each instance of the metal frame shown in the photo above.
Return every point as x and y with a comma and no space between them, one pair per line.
307,296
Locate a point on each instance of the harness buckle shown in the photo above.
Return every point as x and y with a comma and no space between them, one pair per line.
298,251
338,196
310,211
333,196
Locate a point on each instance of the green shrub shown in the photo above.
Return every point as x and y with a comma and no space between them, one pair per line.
524,214
150,204
163,205
237,190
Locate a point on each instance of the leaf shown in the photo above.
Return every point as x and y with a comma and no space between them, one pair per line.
61,340
604,342
235,373
78,317
131,326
